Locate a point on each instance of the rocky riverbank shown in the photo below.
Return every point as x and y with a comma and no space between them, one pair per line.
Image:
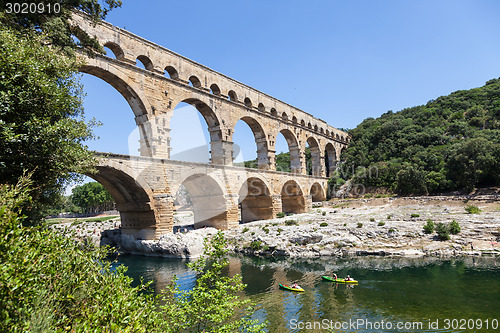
386,226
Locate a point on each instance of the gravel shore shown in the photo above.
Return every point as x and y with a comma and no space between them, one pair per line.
385,226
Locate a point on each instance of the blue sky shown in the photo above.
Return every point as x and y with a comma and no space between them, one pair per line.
341,61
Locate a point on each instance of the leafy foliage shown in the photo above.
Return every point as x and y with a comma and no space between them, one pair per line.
41,124
471,209
50,283
443,231
454,227
90,195
213,305
451,143
56,28
429,227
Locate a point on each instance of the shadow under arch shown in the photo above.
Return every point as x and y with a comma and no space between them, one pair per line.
133,198
317,193
255,200
292,198
260,141
209,203
330,159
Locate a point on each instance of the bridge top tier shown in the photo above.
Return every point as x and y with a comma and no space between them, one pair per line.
128,47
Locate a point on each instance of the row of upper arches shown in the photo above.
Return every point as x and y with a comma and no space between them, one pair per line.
172,73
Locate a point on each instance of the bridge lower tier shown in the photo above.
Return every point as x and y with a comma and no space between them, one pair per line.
146,191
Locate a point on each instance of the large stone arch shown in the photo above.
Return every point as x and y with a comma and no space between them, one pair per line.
219,150
260,137
317,192
133,196
210,205
294,149
315,156
255,200
135,98
330,159
292,198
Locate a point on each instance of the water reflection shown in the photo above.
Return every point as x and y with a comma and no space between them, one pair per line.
389,289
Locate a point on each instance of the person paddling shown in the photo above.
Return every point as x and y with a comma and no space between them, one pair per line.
348,278
335,276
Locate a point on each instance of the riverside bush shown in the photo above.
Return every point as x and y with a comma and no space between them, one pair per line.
472,209
454,227
323,224
52,283
381,223
291,222
429,227
443,231
280,214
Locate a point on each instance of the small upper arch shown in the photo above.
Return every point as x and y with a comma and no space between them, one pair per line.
309,125
195,81
315,128
261,107
321,130
214,88
294,119
116,49
232,96
274,112
172,72
148,64
248,102
284,116
302,122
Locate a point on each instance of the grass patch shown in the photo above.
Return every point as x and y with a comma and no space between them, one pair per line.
360,225
323,224
280,214
291,222
245,229
372,219
381,223
99,219
415,215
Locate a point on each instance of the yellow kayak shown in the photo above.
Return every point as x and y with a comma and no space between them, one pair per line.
328,278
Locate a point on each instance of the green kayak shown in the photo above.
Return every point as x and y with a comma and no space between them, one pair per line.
287,287
331,279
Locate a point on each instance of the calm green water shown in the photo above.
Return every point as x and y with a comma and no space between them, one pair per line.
390,291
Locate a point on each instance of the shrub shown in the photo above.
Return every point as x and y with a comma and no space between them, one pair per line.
415,215
280,214
266,230
381,223
279,230
360,224
389,217
443,231
323,213
291,222
454,227
323,224
472,209
255,245
245,229
392,230
372,219
429,227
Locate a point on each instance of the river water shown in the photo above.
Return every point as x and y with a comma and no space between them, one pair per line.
393,294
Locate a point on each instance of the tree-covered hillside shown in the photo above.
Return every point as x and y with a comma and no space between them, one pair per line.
451,143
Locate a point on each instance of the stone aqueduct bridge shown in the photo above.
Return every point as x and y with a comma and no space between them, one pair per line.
144,186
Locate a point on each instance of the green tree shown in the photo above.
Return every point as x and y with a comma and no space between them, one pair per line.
56,28
91,197
214,304
42,129
50,283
